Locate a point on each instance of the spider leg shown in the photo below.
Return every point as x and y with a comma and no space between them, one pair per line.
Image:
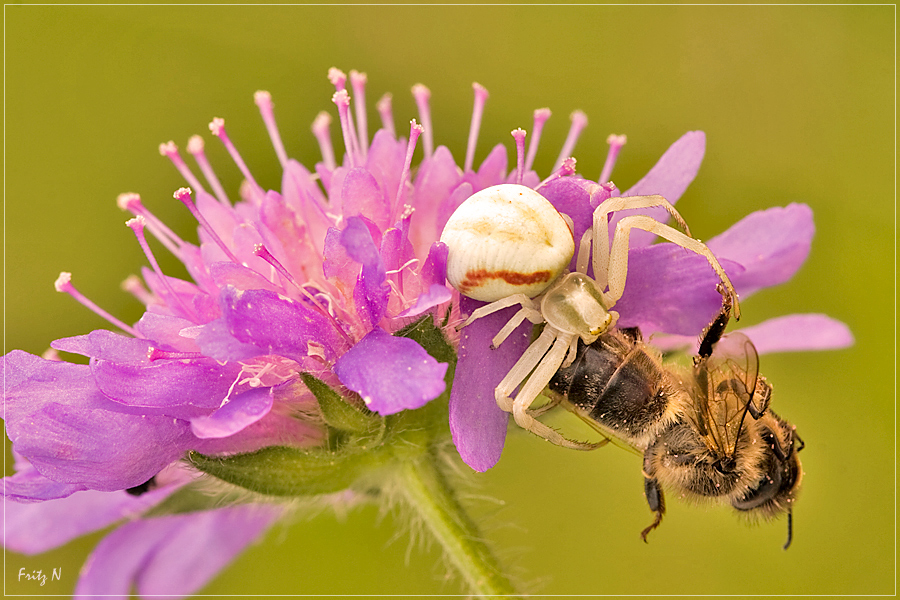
601,227
536,383
524,313
522,368
500,304
618,257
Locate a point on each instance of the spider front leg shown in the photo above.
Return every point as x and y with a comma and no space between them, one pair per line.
547,363
618,256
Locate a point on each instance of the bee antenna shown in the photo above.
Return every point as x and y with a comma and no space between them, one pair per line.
790,524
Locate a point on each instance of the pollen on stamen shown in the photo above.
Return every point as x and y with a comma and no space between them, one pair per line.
422,95
615,144
263,100
386,113
63,284
195,147
341,99
579,122
170,151
519,136
481,96
321,128
540,117
337,78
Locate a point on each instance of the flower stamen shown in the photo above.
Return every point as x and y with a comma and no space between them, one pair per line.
157,354
387,116
615,144
565,169
131,202
134,286
358,83
137,226
183,195
481,96
422,94
415,130
195,147
63,284
263,100
170,151
579,122
342,100
321,128
519,136
217,127
540,117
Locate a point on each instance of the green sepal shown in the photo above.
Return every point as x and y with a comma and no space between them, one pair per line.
284,471
336,411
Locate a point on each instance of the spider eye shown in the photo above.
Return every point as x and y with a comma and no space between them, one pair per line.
505,240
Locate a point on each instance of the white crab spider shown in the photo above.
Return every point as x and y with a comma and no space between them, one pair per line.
509,246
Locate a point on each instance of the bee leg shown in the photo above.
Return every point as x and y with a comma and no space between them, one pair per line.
714,330
656,501
653,493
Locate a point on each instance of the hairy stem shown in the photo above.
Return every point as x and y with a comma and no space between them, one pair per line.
426,491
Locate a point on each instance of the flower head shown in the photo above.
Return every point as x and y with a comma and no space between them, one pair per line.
295,332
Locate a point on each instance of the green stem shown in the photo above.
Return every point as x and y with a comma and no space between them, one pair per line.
426,491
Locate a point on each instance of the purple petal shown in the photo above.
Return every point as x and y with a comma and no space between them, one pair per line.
302,194
58,419
108,345
435,296
391,373
436,178
799,333
452,202
770,244
275,324
670,289
476,422
167,387
362,196
274,429
669,178
165,332
28,485
372,290
215,341
434,271
238,414
493,170
174,555
675,170
40,526
239,276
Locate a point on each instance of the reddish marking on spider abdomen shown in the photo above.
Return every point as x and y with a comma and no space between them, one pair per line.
476,279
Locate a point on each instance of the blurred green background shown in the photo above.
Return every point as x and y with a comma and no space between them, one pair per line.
797,104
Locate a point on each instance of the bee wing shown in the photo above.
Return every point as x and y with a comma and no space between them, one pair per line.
726,382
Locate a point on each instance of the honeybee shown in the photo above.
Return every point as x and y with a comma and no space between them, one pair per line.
706,431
